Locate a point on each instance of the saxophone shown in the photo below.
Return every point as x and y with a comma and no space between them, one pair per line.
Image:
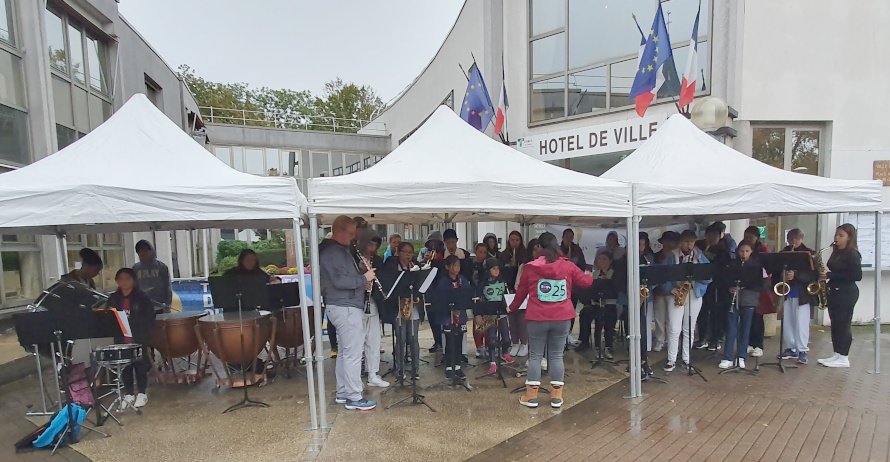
818,287
405,307
684,286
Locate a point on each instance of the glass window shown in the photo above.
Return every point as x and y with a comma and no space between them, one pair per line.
622,79
21,274
225,155
320,165
62,102
100,111
238,159
65,136
682,54
273,163
75,43
304,162
253,161
111,239
291,163
337,163
93,240
113,260
81,109
587,91
20,238
549,55
353,163
769,146
547,15
14,145
12,86
805,151
6,32
548,99
679,16
96,54
55,37
602,30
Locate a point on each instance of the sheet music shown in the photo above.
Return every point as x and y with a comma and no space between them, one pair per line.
510,297
124,322
865,229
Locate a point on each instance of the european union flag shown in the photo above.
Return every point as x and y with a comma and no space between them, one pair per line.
477,109
653,67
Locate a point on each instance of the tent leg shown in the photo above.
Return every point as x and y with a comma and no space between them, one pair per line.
307,336
877,369
206,244
63,253
316,304
633,306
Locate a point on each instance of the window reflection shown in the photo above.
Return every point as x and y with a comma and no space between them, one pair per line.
253,161
549,55
96,52
225,155
548,99
769,146
587,91
622,78
805,151
75,41
6,33
55,37
601,30
547,15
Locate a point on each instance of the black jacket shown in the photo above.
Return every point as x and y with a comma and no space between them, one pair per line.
142,313
801,278
844,266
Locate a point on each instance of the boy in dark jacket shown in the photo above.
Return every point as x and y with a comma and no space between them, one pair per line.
796,326
738,325
453,322
492,289
141,317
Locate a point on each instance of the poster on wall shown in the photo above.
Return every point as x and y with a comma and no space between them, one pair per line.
193,294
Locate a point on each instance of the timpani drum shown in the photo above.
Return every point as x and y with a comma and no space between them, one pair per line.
290,327
221,334
174,334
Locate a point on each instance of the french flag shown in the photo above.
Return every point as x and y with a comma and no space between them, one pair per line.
503,104
687,90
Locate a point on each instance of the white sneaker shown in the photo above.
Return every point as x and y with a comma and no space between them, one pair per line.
725,364
544,364
833,358
523,351
750,349
741,363
658,347
141,400
478,352
572,340
129,400
377,381
841,361
757,352
514,349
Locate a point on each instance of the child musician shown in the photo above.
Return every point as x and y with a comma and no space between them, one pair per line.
600,306
738,323
796,327
679,314
455,319
141,317
479,277
493,290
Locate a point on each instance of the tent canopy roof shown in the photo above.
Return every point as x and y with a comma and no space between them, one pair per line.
682,171
139,171
449,171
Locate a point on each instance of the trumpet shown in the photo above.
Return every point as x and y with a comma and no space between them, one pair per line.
368,268
429,263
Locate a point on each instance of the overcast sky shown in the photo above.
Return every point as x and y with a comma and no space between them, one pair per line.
297,44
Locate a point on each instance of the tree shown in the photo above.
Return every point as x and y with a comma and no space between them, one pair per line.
347,101
234,97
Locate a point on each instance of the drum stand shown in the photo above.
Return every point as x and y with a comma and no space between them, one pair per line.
70,425
42,386
246,402
117,370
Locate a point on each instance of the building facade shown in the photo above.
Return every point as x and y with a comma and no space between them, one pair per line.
794,74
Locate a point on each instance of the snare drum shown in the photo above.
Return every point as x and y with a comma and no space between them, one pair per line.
119,354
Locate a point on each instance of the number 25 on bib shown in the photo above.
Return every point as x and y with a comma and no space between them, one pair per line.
552,291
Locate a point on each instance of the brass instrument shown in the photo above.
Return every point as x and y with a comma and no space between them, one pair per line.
375,281
488,321
406,305
781,288
819,287
684,288
429,263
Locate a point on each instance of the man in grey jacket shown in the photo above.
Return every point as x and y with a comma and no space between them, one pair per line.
153,277
343,287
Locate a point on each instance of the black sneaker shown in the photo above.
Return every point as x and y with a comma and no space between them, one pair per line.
464,360
700,345
647,371
582,347
713,346
449,374
460,374
436,349
669,366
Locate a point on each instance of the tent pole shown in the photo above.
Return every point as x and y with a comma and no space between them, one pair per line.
206,239
877,319
633,306
316,304
307,336
63,253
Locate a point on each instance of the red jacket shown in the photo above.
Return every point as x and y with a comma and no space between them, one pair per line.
559,270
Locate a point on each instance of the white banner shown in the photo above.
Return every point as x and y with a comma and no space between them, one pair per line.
619,136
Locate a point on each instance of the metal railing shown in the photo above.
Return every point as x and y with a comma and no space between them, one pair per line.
290,120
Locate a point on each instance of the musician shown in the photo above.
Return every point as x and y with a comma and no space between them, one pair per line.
518,326
344,288
90,267
726,239
574,254
491,241
662,300
407,330
796,326
548,283
368,243
492,289
449,237
154,276
600,307
738,320
715,303
452,320
248,265
512,257
479,276
647,256
612,247
392,251
755,342
141,316
844,270
679,315
434,248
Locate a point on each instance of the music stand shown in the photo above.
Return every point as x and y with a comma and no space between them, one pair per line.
497,309
235,291
599,290
781,263
442,303
752,276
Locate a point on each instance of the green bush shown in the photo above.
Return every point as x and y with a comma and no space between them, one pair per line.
226,264
277,257
229,248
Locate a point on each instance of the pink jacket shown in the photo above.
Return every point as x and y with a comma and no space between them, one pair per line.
531,285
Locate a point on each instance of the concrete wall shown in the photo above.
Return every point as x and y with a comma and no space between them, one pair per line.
239,135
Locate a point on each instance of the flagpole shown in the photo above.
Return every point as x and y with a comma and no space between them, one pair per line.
465,72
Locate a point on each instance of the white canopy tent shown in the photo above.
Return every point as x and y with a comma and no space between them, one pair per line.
139,171
682,172
447,171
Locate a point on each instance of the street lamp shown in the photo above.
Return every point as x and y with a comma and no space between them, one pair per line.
710,113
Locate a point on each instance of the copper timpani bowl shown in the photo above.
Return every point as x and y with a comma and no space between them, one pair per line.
174,334
222,334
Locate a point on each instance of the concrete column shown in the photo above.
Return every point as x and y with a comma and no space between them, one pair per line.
35,63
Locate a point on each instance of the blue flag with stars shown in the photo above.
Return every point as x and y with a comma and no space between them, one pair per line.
653,69
477,109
